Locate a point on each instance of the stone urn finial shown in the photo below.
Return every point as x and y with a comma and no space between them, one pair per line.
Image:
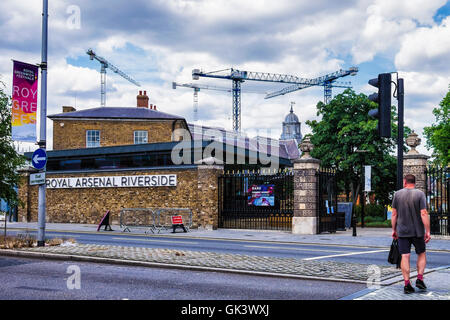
413,141
306,147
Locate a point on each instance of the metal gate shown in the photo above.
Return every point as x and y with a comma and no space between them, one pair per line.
256,200
438,195
329,220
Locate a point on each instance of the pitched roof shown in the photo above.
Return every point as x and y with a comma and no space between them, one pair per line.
116,113
287,149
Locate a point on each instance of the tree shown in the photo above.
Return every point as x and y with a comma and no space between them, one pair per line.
346,127
438,135
10,160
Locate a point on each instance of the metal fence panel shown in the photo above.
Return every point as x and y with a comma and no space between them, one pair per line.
329,220
438,195
240,209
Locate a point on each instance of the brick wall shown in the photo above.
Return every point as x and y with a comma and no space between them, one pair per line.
196,189
72,134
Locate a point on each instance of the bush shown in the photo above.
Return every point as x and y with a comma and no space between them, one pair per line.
368,219
373,210
376,224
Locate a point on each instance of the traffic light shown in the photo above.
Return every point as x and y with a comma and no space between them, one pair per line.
383,99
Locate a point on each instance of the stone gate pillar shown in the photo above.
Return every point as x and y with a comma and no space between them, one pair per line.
208,196
415,163
305,191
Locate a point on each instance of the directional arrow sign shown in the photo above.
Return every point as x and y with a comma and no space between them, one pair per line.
39,159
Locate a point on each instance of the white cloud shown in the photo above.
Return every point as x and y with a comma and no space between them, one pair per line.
387,22
426,49
157,42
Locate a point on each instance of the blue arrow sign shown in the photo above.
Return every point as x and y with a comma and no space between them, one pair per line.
39,159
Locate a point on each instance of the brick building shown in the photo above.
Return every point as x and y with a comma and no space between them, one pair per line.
95,146
106,126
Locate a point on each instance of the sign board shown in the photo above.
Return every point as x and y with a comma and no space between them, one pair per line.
169,180
261,195
105,222
367,178
39,159
37,178
177,220
24,101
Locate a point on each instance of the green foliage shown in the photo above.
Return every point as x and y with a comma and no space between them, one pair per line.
373,210
376,223
10,160
438,135
346,127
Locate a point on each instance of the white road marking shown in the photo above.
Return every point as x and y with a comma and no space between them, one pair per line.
154,240
296,249
63,235
345,254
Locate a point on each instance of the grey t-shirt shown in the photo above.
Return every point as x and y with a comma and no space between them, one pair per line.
408,203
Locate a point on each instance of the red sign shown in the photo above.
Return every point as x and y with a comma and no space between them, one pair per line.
177,220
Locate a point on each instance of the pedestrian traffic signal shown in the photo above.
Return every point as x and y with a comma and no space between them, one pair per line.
383,99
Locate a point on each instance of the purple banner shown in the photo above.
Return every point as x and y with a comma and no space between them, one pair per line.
24,101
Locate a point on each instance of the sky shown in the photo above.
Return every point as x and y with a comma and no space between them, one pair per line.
157,42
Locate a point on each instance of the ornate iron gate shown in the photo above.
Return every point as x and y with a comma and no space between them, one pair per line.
329,220
256,200
438,195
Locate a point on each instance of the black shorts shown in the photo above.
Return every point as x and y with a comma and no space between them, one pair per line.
404,245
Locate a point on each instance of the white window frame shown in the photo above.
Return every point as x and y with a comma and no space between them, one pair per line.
140,136
92,138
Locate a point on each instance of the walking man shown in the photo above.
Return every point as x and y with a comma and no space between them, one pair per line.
411,225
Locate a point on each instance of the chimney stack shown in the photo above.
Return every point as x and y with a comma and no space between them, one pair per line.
142,100
68,109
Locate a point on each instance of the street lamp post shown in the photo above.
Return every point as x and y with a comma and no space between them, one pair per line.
43,126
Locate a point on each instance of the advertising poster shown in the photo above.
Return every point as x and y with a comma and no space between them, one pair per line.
261,195
24,101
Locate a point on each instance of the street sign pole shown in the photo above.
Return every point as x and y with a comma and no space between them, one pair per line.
400,135
43,126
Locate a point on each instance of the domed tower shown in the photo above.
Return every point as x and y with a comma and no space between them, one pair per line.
291,126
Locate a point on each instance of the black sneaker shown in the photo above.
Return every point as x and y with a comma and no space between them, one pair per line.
421,285
408,289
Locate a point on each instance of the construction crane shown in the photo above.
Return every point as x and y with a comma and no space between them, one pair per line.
327,81
197,88
104,64
239,76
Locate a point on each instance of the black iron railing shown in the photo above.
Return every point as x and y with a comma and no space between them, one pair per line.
329,220
256,200
438,195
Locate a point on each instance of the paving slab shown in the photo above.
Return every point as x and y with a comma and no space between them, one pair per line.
438,283
324,270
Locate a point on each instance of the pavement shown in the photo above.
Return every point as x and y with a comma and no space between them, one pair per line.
388,282
438,283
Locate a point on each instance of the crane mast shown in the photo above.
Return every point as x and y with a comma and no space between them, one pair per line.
104,64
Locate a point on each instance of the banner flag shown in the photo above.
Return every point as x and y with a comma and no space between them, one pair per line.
24,101
367,178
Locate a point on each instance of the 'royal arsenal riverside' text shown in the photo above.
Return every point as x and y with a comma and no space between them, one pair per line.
141,181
